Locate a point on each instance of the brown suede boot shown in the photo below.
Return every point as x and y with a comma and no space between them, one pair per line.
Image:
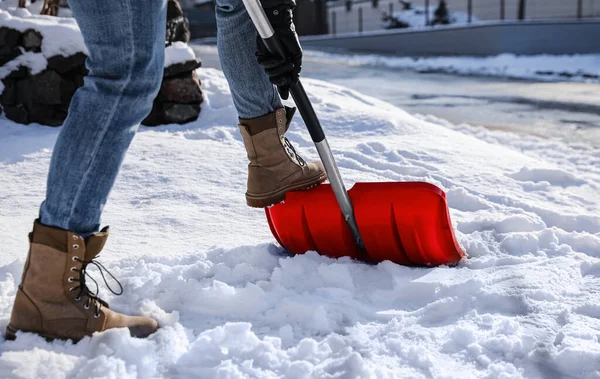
275,168
53,299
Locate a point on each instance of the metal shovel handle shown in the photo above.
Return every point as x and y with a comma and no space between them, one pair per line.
266,32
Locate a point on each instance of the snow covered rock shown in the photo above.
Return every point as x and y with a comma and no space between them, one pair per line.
180,95
9,49
32,40
42,63
44,97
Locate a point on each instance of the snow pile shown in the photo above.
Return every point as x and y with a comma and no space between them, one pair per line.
232,305
178,52
539,67
42,50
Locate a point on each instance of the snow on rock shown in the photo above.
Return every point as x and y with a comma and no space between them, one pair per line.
232,304
61,35
178,52
35,62
539,67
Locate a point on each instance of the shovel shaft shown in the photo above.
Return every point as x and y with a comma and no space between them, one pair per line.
341,194
265,30
333,173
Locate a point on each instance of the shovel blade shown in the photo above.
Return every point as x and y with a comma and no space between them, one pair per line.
407,223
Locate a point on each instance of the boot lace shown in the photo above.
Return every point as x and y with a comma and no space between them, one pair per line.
92,297
289,148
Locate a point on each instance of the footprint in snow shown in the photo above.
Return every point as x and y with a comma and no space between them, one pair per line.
590,310
459,198
555,177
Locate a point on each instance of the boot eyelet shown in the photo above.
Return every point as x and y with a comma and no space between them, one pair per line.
87,306
78,298
75,237
75,246
96,315
73,268
74,259
71,279
72,289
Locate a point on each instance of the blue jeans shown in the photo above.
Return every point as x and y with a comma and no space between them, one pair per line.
126,42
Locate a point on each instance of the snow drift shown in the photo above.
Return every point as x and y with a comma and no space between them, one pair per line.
232,304
577,68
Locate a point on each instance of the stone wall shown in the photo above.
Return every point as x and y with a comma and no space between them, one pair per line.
44,97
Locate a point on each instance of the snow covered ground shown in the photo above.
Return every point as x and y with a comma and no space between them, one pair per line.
560,108
233,305
583,68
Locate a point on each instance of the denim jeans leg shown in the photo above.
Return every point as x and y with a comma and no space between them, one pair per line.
253,95
126,41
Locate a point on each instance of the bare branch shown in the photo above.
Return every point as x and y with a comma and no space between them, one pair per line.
50,7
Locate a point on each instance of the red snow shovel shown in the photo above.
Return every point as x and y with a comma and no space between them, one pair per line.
407,223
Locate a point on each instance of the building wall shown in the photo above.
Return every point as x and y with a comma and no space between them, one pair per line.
343,21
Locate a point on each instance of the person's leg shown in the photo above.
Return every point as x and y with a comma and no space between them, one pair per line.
253,94
275,168
125,39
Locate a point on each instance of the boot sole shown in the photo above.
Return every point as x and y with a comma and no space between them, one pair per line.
11,335
267,200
